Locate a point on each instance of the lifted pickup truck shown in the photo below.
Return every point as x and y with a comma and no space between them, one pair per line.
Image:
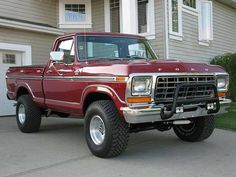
119,86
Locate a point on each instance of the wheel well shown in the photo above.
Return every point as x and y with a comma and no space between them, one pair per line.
22,91
92,97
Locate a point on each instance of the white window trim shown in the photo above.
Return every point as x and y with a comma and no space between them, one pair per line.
26,49
205,42
151,19
86,24
173,34
150,34
191,10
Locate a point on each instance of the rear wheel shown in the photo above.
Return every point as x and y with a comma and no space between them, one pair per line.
106,133
200,129
28,116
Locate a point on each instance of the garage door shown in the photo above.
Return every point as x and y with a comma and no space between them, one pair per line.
7,58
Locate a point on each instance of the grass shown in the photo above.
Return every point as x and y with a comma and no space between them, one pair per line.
227,120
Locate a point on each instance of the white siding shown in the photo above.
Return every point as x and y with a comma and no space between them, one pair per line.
40,43
40,11
224,29
158,43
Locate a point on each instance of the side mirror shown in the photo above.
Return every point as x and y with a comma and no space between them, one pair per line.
56,56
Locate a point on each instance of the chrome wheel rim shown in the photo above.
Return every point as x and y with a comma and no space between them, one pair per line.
97,130
21,114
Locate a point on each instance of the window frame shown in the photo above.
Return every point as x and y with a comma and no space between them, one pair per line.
173,34
191,10
88,11
150,34
202,41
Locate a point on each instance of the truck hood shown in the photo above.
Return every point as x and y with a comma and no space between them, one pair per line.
126,67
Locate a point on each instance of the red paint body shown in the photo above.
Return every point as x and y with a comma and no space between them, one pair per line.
68,95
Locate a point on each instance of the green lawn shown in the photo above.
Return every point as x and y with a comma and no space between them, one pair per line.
227,120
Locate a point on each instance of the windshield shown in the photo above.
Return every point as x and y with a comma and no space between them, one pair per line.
102,47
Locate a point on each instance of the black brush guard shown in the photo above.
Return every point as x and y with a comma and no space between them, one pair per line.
168,114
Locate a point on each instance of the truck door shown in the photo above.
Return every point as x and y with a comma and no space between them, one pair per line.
60,88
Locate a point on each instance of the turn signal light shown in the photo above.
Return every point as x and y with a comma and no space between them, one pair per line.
221,94
139,99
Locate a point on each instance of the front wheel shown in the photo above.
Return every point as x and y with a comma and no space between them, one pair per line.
200,129
28,116
106,133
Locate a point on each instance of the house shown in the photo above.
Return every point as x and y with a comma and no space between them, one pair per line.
180,29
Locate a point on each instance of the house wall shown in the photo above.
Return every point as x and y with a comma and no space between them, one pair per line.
224,32
158,43
40,11
40,43
98,24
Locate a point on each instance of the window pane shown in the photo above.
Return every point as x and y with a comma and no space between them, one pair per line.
175,16
206,21
138,50
115,15
9,58
190,3
68,48
75,13
142,16
92,47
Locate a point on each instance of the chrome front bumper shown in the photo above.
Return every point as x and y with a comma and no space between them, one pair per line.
153,113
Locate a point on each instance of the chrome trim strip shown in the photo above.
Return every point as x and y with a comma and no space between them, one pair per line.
82,78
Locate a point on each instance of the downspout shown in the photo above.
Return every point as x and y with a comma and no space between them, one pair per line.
166,31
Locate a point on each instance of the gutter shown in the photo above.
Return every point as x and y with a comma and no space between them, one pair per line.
30,27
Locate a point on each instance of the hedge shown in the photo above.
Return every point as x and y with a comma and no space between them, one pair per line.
228,61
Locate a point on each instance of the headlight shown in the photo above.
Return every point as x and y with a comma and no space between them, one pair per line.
141,85
222,82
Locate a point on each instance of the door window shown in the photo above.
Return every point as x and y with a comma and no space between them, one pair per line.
67,47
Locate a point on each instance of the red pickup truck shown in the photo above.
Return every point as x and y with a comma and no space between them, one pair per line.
119,86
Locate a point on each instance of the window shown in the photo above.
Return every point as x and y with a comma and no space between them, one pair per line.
75,14
115,16
99,48
142,16
146,18
68,48
205,21
175,18
190,3
9,58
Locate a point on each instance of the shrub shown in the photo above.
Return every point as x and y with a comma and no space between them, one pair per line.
228,61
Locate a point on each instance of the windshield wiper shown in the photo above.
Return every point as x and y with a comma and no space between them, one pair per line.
135,57
104,58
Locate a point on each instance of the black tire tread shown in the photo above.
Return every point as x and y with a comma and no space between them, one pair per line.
33,115
119,129
204,128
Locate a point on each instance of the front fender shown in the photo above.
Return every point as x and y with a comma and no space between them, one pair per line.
107,90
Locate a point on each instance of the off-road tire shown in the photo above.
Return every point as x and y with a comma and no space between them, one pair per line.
32,115
199,130
116,130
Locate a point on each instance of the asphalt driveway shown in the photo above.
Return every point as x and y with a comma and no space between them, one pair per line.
60,150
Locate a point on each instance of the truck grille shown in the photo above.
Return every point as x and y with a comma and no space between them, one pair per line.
166,86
